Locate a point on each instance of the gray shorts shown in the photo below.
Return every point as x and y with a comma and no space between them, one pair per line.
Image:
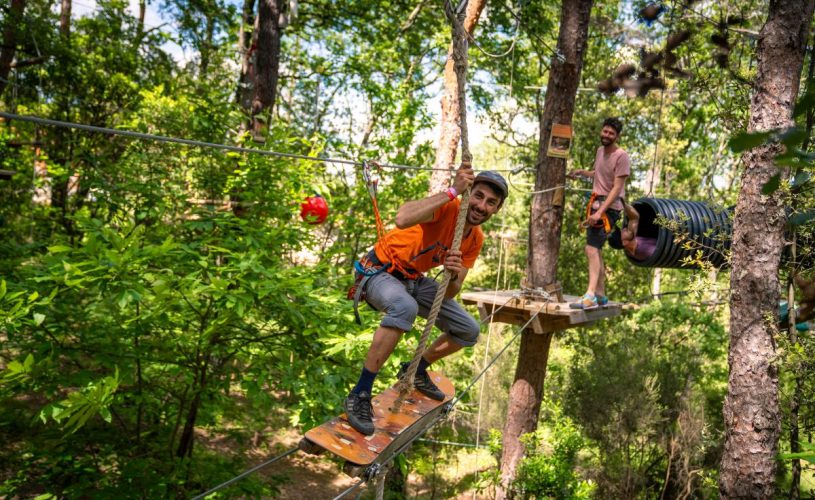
402,300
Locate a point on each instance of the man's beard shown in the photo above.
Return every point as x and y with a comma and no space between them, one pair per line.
606,142
471,213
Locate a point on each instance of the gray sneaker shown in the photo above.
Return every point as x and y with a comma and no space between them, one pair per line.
423,384
360,412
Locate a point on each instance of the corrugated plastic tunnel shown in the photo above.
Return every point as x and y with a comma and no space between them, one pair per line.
690,227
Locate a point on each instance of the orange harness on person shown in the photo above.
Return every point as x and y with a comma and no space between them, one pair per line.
604,222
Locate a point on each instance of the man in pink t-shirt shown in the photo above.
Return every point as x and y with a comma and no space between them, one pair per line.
611,169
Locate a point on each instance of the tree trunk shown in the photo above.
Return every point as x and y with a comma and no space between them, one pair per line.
9,48
65,19
544,231
267,61
751,412
449,123
246,46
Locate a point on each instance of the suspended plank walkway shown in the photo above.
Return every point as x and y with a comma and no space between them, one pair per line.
516,308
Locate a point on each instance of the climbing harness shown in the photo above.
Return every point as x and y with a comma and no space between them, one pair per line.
366,268
605,223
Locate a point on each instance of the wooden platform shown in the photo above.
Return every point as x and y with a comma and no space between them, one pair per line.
392,429
553,316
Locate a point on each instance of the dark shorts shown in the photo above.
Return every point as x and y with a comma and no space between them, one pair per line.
596,236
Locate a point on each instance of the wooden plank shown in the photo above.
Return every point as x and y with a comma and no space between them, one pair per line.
513,307
392,429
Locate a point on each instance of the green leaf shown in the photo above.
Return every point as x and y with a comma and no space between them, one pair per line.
792,136
746,140
38,318
802,218
772,185
59,249
801,178
805,103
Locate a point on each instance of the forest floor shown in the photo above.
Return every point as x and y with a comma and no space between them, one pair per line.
316,477
437,471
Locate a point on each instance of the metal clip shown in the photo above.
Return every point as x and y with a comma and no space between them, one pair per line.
370,177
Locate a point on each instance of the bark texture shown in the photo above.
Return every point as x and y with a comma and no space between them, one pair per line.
246,46
65,19
544,232
751,410
267,58
450,109
9,48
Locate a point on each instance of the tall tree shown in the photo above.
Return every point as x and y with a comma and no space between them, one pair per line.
544,230
12,21
65,19
449,122
751,410
267,60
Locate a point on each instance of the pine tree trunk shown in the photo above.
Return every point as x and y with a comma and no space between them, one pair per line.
751,411
246,46
449,123
65,19
267,61
13,19
544,232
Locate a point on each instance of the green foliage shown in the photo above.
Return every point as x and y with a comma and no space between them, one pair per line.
549,468
808,454
81,405
656,377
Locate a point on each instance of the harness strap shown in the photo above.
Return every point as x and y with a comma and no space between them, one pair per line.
603,218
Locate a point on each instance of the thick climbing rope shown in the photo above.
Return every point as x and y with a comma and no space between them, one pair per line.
460,67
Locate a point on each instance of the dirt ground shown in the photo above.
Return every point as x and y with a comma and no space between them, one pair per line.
318,477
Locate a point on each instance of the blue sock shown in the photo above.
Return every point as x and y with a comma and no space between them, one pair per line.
423,364
365,382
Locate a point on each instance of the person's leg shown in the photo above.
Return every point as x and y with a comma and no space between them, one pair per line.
600,288
459,327
384,293
595,265
442,347
382,346
388,294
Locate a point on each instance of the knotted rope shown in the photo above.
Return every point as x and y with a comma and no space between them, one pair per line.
460,66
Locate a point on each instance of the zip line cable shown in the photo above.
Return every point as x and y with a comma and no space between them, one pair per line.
244,474
204,144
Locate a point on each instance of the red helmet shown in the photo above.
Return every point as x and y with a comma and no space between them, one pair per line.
314,210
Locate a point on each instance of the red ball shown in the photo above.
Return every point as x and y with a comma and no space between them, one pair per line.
314,210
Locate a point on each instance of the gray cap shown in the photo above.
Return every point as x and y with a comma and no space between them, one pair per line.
495,180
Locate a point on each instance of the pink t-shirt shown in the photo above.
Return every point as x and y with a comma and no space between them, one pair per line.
606,168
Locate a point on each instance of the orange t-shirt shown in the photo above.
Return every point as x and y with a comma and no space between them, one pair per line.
424,246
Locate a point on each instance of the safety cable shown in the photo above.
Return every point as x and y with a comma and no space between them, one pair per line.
452,443
495,358
205,144
244,474
351,489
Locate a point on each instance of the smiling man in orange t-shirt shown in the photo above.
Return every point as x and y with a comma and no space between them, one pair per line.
393,281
